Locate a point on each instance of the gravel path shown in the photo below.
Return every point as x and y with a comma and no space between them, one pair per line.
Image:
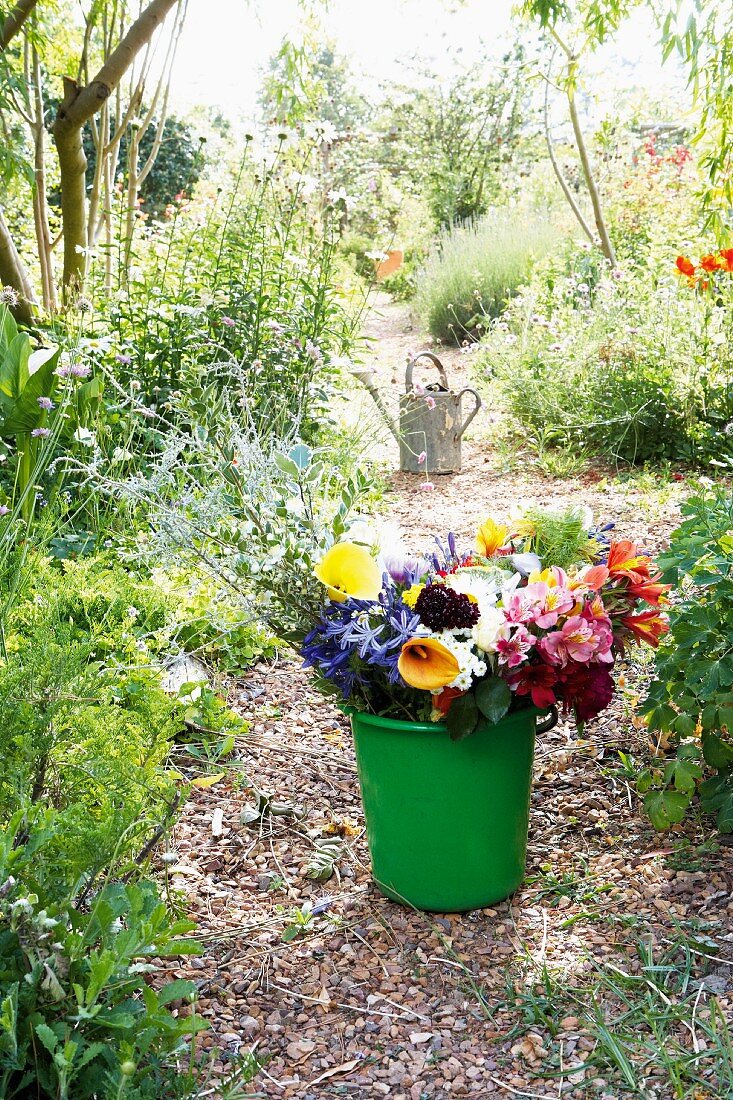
366,999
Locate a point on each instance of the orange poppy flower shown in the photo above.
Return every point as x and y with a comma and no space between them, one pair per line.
710,262
443,701
595,577
726,257
685,266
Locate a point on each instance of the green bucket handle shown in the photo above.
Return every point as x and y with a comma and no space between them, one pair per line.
548,723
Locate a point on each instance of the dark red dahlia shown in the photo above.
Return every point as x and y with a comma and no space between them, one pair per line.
586,689
442,608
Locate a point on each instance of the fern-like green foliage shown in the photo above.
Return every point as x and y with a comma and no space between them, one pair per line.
560,538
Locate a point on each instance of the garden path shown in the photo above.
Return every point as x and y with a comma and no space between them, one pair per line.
369,999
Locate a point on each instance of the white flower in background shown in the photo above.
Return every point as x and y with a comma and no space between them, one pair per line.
490,629
85,437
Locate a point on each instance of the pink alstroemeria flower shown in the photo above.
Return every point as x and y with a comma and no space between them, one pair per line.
512,651
547,602
574,641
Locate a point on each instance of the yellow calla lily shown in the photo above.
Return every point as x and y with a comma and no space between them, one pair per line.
490,537
349,570
426,664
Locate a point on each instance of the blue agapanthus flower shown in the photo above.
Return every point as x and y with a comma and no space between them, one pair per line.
372,631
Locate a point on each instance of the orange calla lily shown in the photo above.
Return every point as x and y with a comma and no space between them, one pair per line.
426,664
349,570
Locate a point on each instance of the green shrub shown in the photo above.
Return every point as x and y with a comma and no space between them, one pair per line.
627,363
475,269
690,701
78,1018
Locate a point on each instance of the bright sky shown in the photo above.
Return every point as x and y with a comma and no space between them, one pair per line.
225,44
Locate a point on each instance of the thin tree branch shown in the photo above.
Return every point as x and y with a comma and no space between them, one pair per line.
15,21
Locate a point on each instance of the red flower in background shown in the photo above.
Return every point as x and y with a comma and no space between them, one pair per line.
443,701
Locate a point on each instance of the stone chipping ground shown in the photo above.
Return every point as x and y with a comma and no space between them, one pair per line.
558,991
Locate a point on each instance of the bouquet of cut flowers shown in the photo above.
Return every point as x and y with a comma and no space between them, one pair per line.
535,615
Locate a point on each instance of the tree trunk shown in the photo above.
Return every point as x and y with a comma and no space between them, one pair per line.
12,273
40,207
77,107
72,165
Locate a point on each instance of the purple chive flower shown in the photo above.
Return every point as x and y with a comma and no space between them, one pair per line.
45,403
41,433
427,486
80,370
228,321
430,402
63,370
4,509
125,360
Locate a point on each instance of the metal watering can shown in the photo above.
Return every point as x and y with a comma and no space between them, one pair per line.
431,423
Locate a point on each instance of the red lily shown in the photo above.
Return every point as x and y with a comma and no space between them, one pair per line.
647,626
624,560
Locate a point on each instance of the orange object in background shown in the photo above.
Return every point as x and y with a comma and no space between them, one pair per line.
394,261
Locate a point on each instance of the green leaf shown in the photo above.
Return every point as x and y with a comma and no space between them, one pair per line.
493,698
301,455
24,414
462,718
666,808
716,752
286,465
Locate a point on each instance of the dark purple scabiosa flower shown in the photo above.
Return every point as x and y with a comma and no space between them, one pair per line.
442,608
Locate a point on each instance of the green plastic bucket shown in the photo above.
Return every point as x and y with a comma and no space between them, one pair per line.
446,820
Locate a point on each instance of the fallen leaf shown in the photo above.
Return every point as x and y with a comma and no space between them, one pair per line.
345,1067
207,780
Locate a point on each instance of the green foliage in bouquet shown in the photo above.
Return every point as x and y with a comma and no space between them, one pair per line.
690,700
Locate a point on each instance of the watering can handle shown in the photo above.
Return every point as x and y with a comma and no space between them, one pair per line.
472,413
436,362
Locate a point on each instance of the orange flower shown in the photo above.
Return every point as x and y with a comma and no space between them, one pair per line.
650,591
726,257
443,701
648,626
710,262
426,664
624,560
595,577
685,266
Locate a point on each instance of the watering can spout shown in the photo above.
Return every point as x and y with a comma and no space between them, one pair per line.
366,375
